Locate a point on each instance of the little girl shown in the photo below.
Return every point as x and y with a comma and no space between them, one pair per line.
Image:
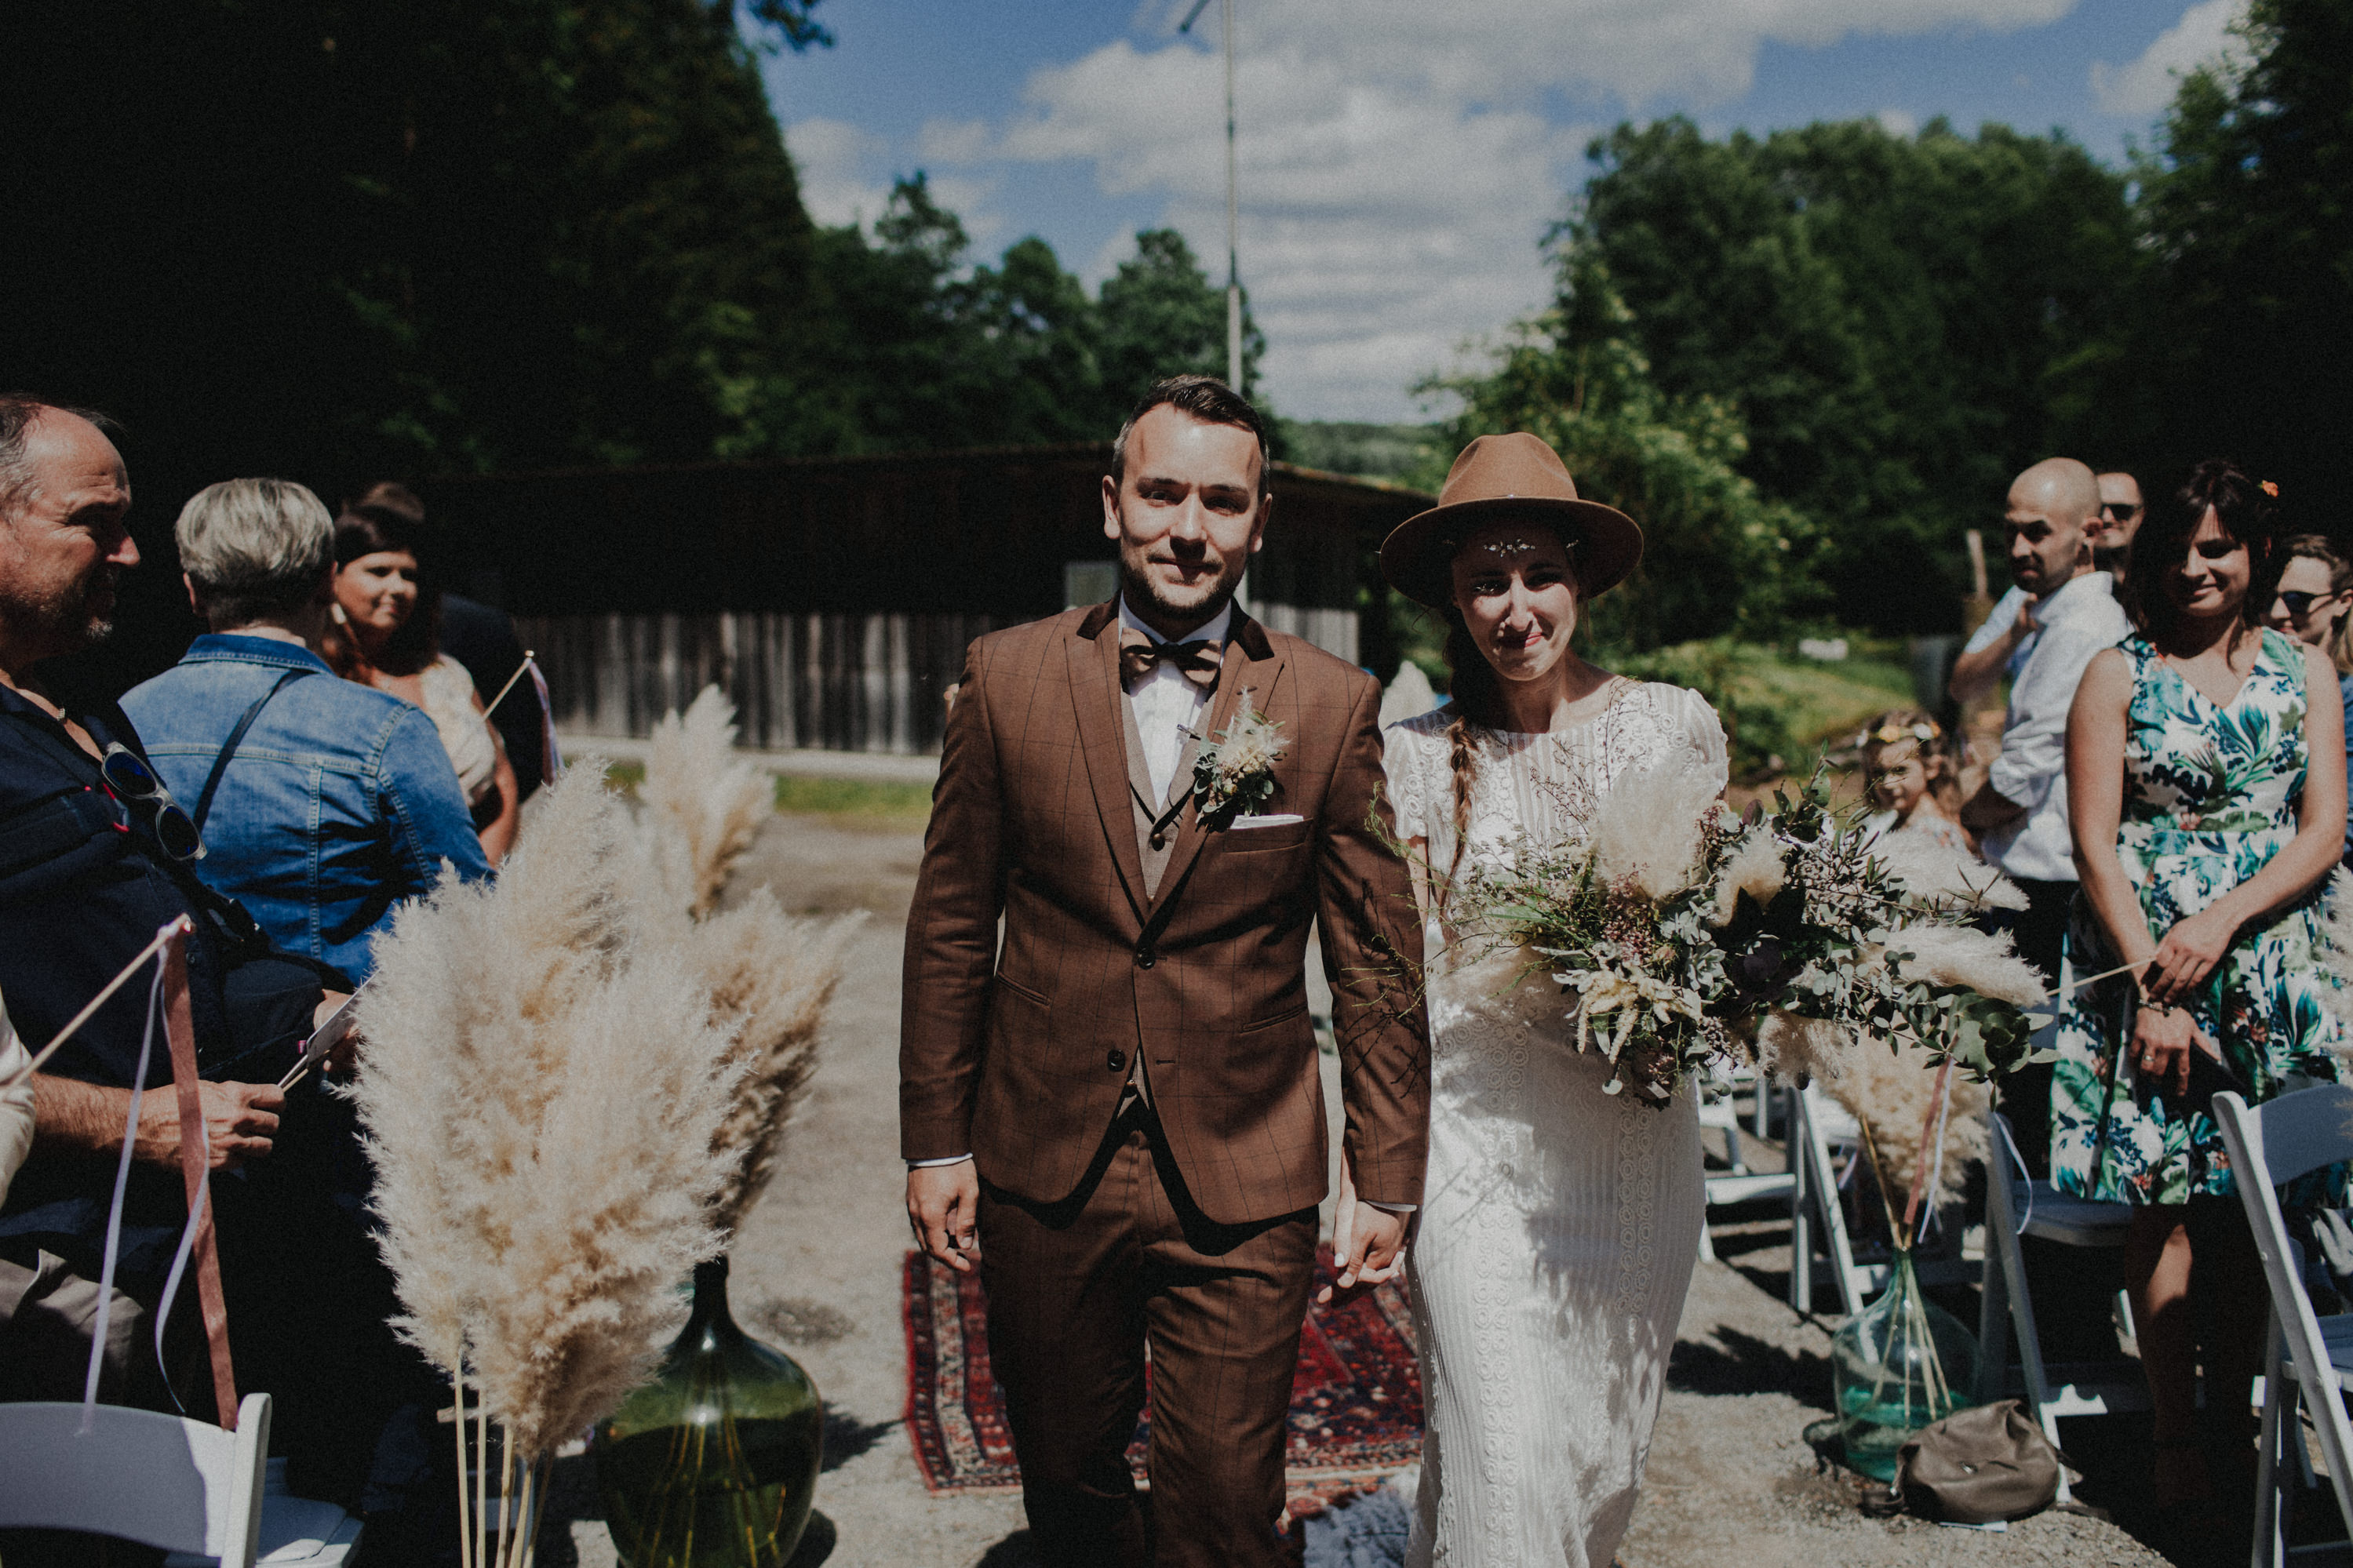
1914,776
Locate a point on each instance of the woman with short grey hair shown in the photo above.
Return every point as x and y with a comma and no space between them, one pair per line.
254,550
321,805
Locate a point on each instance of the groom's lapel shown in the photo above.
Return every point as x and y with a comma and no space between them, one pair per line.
1096,696
1253,665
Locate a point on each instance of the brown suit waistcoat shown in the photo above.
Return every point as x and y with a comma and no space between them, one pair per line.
1019,1056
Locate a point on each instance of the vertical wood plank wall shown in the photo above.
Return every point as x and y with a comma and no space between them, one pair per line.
832,682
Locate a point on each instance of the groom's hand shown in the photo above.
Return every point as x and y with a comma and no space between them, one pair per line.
941,1201
1368,1248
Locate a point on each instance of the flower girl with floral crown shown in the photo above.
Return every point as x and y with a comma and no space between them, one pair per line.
1915,778
1560,1220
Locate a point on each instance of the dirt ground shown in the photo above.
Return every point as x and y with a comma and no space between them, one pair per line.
1731,1477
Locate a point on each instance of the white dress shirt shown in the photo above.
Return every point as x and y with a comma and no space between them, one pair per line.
1997,622
2077,621
1165,704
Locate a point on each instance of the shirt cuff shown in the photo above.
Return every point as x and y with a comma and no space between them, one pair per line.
927,1165
1392,1208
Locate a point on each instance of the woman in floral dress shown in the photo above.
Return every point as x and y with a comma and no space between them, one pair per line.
2206,784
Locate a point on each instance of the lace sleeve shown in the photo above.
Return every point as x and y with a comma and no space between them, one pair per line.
1406,764
1705,732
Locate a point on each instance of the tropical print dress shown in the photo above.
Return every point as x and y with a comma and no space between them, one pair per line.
2210,796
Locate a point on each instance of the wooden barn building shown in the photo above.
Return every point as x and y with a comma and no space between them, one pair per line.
833,598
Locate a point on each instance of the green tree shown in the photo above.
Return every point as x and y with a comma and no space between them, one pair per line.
1162,317
2241,323
1718,558
1885,312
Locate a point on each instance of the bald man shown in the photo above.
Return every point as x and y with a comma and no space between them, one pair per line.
2020,811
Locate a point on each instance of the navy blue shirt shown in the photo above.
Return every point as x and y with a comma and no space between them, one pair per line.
83,887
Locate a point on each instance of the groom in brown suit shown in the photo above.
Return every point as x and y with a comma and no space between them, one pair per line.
1118,1114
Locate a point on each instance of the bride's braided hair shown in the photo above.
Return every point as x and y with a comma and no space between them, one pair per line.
1478,699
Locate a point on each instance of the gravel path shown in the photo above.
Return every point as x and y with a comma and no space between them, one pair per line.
1731,1479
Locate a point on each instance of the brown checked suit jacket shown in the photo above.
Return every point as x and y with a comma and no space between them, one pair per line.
1021,1056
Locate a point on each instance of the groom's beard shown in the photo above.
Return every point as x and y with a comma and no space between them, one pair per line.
1197,605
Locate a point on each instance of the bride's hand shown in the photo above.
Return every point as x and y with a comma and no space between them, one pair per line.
1344,1230
1368,1243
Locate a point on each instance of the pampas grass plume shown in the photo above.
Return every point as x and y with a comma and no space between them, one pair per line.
1939,874
769,978
1647,830
540,1089
1962,956
2337,959
1758,867
1891,1091
1790,1046
703,804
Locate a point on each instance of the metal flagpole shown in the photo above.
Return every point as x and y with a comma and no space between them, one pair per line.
1233,225
1233,202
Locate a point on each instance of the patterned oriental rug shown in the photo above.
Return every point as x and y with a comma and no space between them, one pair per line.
1355,1398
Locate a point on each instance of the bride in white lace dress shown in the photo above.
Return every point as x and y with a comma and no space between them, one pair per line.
1559,1223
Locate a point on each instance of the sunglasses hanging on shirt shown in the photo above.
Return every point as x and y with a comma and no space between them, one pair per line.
135,784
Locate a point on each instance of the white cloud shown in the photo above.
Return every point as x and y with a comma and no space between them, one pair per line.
1898,122
846,175
835,161
2143,89
1400,166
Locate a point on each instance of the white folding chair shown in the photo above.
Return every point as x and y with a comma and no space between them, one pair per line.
2310,1357
296,1532
1737,1184
1818,1126
163,1480
2006,1307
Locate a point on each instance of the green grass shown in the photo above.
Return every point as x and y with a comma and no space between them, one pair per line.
853,797
872,800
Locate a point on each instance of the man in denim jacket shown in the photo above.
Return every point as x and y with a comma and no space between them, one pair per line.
338,803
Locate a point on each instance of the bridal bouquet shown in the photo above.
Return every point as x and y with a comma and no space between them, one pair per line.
1690,938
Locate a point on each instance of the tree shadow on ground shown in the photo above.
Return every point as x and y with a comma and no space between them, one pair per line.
846,1437
1743,1364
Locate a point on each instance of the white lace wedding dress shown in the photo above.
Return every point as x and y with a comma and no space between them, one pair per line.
1560,1225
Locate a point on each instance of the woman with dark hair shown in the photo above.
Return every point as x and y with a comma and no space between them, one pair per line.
1560,1222
386,630
2206,783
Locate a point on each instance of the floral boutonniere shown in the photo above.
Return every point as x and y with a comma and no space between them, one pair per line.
1236,769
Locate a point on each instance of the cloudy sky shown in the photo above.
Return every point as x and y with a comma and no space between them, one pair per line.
1400,159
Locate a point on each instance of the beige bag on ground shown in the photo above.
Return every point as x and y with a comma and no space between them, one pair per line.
1978,1465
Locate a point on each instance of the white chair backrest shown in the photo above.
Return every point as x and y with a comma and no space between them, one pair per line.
2301,1132
181,1485
2275,1142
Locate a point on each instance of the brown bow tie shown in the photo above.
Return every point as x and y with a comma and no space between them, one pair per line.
1197,662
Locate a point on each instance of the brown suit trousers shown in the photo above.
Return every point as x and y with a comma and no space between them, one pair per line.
1188,1224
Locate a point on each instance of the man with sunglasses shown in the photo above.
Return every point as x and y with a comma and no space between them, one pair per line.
2119,519
92,852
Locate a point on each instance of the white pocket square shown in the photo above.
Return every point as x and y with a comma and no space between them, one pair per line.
1281,819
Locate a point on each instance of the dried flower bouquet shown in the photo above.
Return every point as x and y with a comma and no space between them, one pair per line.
1690,938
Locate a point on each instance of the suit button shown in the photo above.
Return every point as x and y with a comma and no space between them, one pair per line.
1114,1060
1145,957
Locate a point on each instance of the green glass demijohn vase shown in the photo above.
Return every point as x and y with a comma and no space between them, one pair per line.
713,1464
1900,1364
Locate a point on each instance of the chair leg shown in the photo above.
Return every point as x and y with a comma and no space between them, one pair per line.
2268,1548
1802,1237
1707,1246
1993,1325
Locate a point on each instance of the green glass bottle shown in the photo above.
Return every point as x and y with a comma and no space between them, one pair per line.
713,1464
1900,1364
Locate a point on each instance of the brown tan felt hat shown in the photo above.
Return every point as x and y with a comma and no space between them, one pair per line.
1502,477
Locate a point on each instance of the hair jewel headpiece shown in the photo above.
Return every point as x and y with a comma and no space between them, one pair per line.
1888,734
2269,488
